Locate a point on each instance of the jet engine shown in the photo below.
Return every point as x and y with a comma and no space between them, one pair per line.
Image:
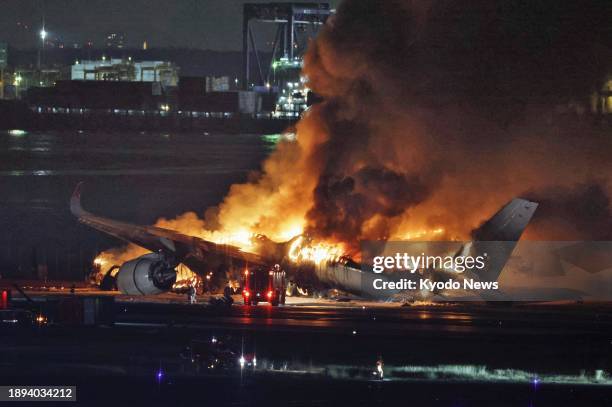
150,274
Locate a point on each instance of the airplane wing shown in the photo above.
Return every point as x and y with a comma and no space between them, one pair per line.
156,239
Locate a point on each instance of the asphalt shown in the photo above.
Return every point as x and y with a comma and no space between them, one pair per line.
321,352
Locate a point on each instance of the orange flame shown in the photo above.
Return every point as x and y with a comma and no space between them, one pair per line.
302,250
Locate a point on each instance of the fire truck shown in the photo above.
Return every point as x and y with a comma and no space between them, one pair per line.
260,285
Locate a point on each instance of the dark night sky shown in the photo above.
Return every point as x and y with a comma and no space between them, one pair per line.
205,24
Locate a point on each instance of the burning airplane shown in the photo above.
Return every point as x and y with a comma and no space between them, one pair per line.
156,272
414,120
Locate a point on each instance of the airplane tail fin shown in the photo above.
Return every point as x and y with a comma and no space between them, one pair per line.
497,237
508,223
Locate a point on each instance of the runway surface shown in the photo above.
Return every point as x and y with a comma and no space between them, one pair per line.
326,353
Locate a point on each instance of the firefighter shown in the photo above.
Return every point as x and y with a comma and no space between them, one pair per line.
192,294
227,295
279,284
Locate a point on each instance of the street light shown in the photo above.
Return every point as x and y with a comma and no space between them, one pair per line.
43,36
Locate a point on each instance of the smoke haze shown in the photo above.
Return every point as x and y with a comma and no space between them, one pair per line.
435,114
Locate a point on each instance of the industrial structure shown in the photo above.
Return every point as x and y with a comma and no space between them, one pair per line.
126,70
272,86
295,24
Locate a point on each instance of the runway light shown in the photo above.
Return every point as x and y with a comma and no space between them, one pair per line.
43,34
354,332
17,132
241,361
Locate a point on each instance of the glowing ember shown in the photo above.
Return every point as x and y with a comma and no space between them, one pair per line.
291,232
241,238
303,250
423,234
185,278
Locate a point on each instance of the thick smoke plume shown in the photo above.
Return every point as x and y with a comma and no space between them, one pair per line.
434,115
